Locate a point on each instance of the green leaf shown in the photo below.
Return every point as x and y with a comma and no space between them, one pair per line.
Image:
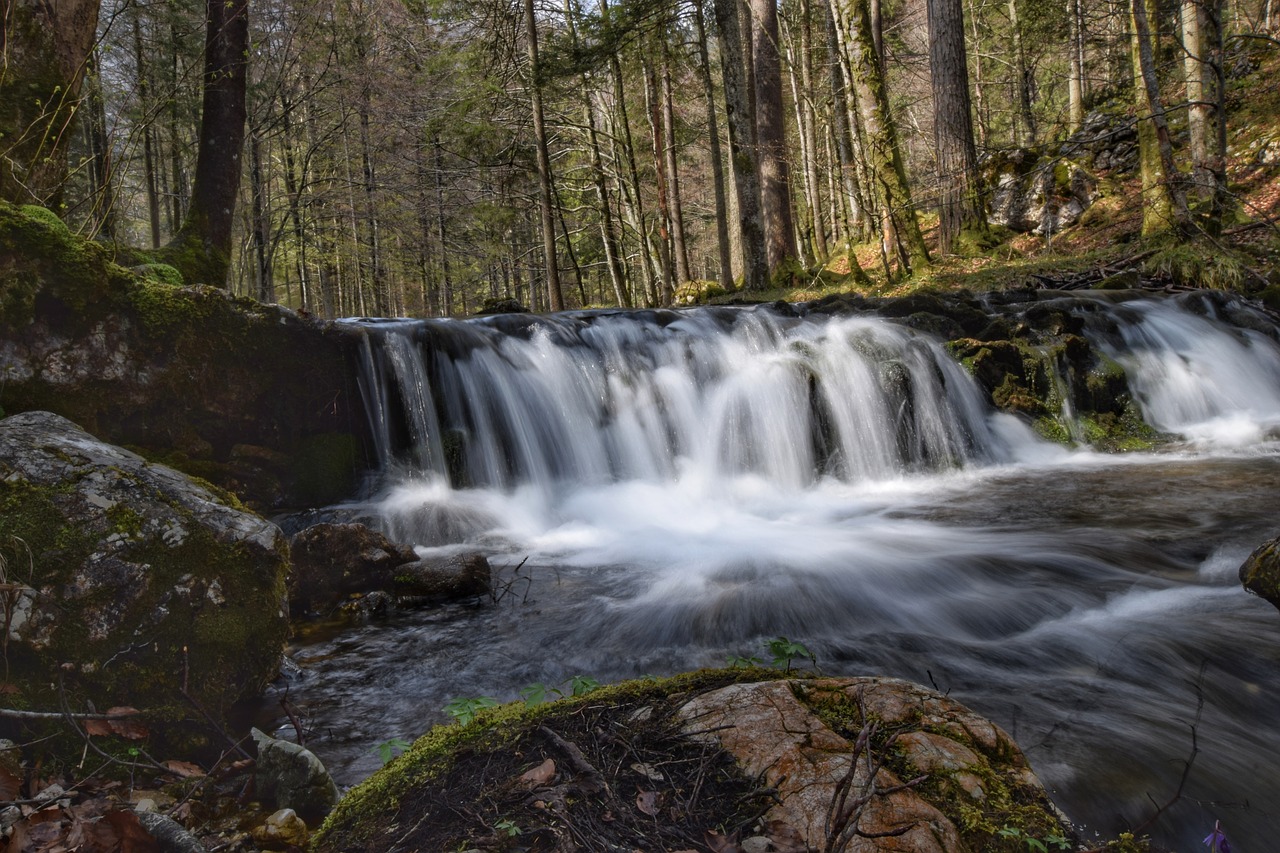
583,684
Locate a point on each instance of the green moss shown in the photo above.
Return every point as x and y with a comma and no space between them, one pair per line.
1199,265
162,273
48,217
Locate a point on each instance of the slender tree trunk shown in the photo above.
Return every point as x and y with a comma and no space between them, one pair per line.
979,82
1198,108
1163,204
1215,33
809,129
959,186
148,132
555,298
844,115
678,242
103,173
202,247
1024,125
775,177
1075,78
445,299
725,272
45,48
659,172
261,253
745,171
901,229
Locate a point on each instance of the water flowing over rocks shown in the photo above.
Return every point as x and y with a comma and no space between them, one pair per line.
131,580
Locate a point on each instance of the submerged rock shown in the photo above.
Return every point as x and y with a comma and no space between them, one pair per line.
1260,573
459,576
132,580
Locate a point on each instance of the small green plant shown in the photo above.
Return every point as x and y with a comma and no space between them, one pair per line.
580,685
389,749
464,709
537,693
735,662
785,651
1033,843
507,827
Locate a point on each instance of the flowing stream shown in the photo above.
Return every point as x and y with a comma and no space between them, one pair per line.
659,491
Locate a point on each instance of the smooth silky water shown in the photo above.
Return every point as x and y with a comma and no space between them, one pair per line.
677,488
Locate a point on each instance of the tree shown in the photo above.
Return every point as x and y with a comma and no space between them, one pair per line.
771,136
1164,206
959,185
201,249
555,297
45,49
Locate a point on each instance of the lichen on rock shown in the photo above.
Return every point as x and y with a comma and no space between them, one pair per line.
137,583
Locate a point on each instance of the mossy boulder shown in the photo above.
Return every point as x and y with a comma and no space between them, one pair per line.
133,583
1260,573
697,759
181,373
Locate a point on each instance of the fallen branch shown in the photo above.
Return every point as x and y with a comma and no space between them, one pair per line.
15,714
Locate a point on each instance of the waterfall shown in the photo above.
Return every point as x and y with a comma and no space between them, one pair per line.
591,398
1196,375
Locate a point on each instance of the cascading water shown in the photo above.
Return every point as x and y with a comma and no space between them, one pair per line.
684,485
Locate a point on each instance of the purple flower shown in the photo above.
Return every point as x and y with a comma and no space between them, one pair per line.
1216,841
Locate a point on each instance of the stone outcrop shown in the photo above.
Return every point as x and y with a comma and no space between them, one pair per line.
920,773
332,561
252,397
129,580
293,777
799,738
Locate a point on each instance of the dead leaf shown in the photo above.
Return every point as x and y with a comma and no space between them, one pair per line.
10,784
183,769
649,802
648,771
97,728
10,689
785,837
722,843
540,775
128,729
133,837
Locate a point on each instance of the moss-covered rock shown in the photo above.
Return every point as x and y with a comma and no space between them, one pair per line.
133,582
142,362
1260,573
736,750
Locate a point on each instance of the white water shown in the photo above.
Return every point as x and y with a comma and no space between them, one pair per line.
685,486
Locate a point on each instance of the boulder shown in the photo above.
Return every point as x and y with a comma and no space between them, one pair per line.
704,753
332,561
1260,573
458,576
293,777
132,581
799,738
1040,195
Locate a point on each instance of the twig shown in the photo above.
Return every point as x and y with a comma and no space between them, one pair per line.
15,714
592,781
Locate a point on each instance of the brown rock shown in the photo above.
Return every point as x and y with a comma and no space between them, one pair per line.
1260,574
458,576
332,561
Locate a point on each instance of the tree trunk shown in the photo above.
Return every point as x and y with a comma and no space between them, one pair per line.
44,50
725,273
202,247
1163,204
660,178
1075,78
745,171
261,253
771,132
809,129
900,228
103,172
148,132
555,299
678,242
959,186
1024,124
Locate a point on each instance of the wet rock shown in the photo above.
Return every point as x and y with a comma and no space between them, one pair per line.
293,777
502,306
459,576
1260,573
132,578
777,731
169,835
282,830
332,561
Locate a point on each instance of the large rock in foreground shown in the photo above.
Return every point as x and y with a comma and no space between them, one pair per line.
710,760
129,579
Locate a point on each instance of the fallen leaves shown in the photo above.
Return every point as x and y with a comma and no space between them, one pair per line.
540,775
649,802
119,723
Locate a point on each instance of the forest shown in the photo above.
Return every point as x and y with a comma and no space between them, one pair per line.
429,158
